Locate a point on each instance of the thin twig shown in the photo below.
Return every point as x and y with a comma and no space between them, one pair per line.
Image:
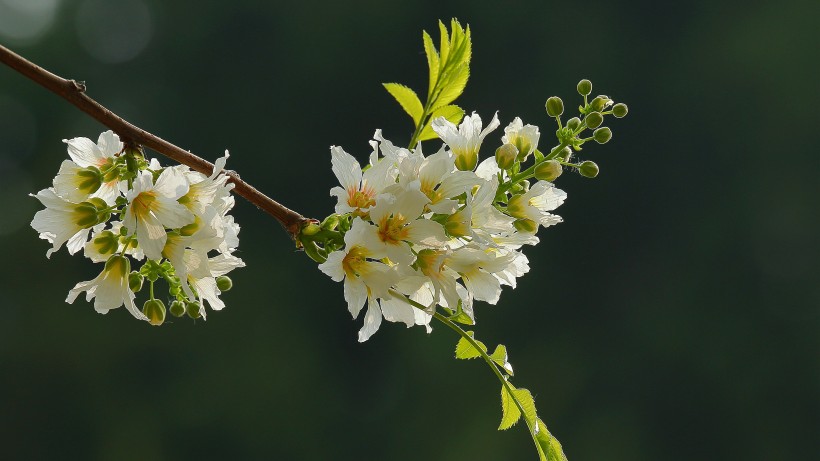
74,92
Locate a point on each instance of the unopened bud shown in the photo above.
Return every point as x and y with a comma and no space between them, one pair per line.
526,225
192,309
224,283
466,161
593,120
135,281
584,87
154,309
331,222
177,308
619,110
311,229
85,215
573,123
555,106
548,171
600,103
602,135
588,169
505,156
90,179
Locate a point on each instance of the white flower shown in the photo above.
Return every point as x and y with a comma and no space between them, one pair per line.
477,266
358,190
523,137
154,207
63,221
365,278
84,153
465,140
536,202
110,289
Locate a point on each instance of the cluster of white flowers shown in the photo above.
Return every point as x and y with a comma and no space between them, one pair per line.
438,229
174,219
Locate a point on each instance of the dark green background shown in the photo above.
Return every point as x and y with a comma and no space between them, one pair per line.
674,315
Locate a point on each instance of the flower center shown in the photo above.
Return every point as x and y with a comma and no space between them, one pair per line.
392,230
355,261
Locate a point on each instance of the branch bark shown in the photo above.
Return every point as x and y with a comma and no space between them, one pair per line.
74,92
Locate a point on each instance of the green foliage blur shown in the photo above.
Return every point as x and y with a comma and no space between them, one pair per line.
674,315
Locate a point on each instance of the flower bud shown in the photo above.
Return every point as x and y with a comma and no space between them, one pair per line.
177,308
600,103
602,135
555,107
548,171
224,283
135,281
505,156
526,225
619,110
331,222
90,179
584,87
311,229
85,215
573,123
593,120
192,309
154,309
588,169
467,161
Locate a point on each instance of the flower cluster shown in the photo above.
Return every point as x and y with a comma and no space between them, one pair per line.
440,230
116,206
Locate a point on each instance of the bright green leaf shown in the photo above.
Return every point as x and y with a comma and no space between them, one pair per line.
444,47
407,99
452,113
550,446
432,61
499,356
454,86
465,350
510,414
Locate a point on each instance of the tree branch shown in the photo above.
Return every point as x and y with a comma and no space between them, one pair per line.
74,92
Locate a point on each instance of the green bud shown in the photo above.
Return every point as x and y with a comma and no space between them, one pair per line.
548,171
566,153
602,135
467,161
135,281
192,309
600,103
526,225
154,309
85,215
224,283
177,308
311,229
505,156
593,120
588,169
573,123
619,110
174,290
555,107
331,222
91,179
584,87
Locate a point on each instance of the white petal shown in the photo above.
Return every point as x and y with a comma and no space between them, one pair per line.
346,168
84,152
332,267
396,310
355,295
372,320
172,183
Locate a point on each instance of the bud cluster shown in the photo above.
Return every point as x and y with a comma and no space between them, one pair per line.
120,209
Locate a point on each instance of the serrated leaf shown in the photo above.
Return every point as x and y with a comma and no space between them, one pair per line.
499,356
453,87
444,46
452,113
510,411
408,100
551,449
465,350
460,317
432,61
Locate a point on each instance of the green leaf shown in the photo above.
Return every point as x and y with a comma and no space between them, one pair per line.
510,411
454,86
550,446
452,113
465,350
444,47
432,61
499,356
407,99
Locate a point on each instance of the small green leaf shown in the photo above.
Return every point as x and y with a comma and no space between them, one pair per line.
500,357
550,446
454,86
462,317
444,47
510,414
407,99
465,350
452,113
432,61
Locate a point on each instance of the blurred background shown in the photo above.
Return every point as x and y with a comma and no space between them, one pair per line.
674,315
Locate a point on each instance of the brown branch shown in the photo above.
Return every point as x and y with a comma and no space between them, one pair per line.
74,92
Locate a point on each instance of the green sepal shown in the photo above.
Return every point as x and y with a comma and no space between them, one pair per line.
510,411
465,350
452,113
500,357
408,100
549,447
